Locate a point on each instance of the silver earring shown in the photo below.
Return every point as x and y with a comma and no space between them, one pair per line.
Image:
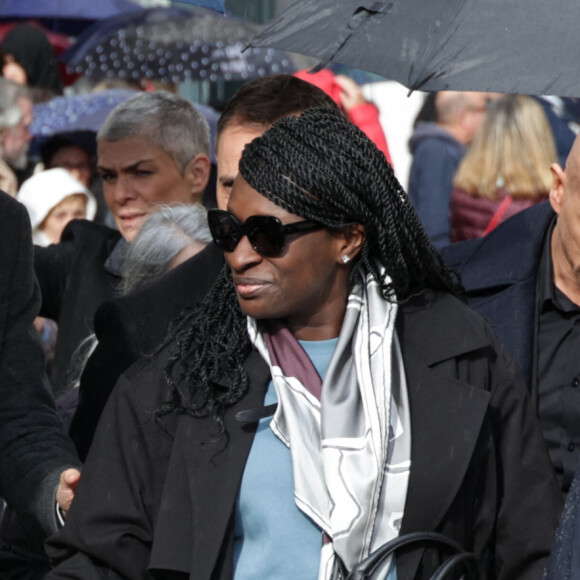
345,259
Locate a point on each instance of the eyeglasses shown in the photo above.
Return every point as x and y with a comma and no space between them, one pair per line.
266,233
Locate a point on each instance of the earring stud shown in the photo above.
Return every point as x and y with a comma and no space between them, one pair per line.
345,259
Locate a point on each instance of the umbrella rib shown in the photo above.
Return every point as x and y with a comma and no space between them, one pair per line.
430,54
360,16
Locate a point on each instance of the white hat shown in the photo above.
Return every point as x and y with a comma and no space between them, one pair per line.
46,189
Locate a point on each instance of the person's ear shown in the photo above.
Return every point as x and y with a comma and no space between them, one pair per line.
352,240
197,175
558,189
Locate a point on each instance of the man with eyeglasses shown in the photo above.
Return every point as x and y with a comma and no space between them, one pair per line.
133,325
438,147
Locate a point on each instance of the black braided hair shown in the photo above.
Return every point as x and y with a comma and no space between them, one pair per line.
320,167
323,168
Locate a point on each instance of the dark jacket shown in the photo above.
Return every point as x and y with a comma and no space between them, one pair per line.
436,156
162,498
471,214
499,274
74,282
33,449
130,326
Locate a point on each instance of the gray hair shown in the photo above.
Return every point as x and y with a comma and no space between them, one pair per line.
166,233
169,121
10,112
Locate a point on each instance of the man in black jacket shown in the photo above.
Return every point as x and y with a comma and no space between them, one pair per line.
134,325
36,459
153,148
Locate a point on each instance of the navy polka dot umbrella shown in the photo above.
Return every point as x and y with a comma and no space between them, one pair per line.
172,45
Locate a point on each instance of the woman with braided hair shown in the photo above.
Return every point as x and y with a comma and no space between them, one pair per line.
331,393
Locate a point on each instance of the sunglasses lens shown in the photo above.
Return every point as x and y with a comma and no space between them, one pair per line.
224,229
265,234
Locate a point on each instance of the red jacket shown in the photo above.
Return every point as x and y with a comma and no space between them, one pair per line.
365,117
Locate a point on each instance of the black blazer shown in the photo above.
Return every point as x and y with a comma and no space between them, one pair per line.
33,449
130,326
73,283
161,498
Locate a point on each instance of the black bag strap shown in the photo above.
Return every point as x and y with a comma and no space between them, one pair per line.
416,541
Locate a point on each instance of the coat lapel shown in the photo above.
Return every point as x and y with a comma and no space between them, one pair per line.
511,315
499,274
446,413
206,467
209,471
447,416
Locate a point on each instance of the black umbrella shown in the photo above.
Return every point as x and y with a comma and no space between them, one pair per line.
173,44
511,46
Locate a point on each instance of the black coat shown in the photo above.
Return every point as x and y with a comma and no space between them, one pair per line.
161,499
33,449
130,326
74,283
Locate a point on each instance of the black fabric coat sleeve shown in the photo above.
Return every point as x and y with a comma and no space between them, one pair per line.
33,449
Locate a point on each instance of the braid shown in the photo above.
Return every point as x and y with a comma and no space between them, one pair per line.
211,343
322,168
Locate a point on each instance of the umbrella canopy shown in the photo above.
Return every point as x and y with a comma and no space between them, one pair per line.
217,5
173,44
87,112
213,4
511,46
77,9
65,16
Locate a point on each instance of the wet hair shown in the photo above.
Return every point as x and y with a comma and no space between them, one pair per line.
169,121
320,167
264,100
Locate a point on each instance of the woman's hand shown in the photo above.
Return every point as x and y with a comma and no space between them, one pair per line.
351,95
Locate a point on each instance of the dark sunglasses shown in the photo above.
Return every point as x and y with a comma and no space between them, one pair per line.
266,233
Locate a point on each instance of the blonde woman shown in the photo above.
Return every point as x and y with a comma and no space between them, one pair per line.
506,170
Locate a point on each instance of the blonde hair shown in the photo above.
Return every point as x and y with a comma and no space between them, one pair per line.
513,149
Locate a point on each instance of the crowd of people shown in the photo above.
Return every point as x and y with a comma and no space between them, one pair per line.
317,369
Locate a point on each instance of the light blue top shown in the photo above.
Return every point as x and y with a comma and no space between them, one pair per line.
272,538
